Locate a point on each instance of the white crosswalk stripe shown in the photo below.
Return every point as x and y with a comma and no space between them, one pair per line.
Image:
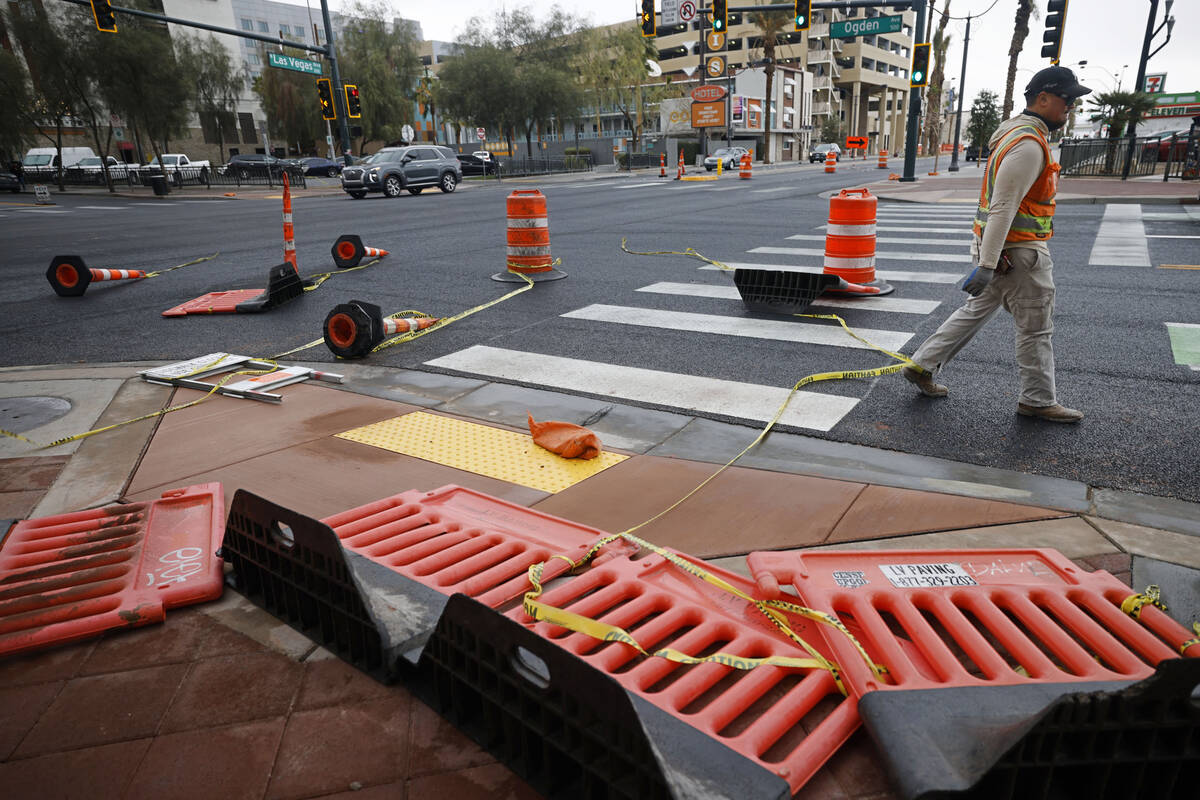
106,208
816,237
918,227
893,304
774,189
888,275
778,330
42,211
879,254
693,393
1121,240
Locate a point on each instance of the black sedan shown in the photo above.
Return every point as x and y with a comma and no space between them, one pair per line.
474,165
321,166
9,181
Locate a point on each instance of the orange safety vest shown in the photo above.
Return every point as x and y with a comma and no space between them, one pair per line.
1034,220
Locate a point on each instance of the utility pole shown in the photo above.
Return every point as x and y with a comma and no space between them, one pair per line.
339,96
1151,32
962,86
914,109
702,14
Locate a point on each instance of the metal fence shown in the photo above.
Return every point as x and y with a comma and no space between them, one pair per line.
178,177
1183,156
1106,157
544,165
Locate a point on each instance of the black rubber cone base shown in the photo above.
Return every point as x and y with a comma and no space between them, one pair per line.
347,251
352,330
780,292
884,288
537,277
283,284
68,276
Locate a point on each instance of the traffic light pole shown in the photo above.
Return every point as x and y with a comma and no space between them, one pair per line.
1141,82
914,111
962,85
339,94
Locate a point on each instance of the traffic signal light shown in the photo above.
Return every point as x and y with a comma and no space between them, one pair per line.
803,14
325,92
648,25
720,15
1056,20
920,66
106,18
353,103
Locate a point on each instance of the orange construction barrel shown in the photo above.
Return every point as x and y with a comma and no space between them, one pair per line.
850,240
528,239
830,161
745,167
883,159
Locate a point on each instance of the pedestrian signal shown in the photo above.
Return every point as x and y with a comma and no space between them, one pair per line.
106,18
353,103
803,14
720,15
325,93
1056,21
648,26
920,65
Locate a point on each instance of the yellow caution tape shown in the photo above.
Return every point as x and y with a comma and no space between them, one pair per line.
1133,604
314,281
201,260
151,415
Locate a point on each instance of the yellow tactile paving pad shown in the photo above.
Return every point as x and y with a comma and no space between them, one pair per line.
501,454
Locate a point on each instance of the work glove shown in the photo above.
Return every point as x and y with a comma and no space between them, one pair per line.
978,280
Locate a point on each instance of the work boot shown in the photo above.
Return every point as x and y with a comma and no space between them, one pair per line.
1054,413
924,382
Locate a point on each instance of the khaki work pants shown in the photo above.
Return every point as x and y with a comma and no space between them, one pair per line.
1027,293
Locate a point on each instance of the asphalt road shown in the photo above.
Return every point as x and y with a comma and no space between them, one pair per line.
1114,355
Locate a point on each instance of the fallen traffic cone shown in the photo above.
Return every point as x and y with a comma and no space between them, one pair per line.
894,177
354,329
70,277
349,251
662,165
744,168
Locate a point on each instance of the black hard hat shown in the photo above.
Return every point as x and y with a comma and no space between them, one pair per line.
1056,80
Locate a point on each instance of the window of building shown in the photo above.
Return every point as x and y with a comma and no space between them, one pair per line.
247,24
299,31
253,59
263,27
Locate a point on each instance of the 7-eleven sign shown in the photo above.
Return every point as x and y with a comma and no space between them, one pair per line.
1155,83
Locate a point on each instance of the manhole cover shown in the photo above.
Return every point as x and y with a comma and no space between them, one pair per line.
21,414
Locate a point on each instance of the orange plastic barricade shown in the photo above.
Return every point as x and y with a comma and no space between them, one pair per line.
69,276
830,162
528,239
72,576
787,721
850,243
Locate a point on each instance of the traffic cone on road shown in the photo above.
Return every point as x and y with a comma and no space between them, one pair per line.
662,165
289,235
679,173
744,169
70,277
349,251
830,162
353,329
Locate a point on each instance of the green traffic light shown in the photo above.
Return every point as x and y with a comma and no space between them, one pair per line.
918,76
800,20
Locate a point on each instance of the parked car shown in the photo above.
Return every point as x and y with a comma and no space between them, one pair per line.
486,155
396,169
1164,145
244,165
179,168
10,181
730,157
94,166
817,154
316,165
474,164
973,153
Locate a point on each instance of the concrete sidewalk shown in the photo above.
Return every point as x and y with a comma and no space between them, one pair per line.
223,700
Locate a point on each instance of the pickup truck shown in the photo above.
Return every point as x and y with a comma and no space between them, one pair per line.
179,168
92,166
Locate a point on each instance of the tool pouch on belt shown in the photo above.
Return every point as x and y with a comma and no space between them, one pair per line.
564,438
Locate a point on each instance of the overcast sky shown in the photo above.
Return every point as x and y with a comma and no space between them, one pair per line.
1107,33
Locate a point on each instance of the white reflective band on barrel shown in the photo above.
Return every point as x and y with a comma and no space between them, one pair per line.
850,263
529,222
287,217
835,229
544,250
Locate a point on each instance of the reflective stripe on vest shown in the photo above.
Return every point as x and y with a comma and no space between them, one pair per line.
1034,220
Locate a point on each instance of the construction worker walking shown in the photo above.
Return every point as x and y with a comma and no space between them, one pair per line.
1012,262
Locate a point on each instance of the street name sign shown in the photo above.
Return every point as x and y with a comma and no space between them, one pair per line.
295,64
856,143
850,28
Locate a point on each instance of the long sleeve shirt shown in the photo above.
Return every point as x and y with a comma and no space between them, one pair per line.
1015,176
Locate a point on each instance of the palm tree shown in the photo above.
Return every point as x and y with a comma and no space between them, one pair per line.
771,23
1116,109
1025,9
933,113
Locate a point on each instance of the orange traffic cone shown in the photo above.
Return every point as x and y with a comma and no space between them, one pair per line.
349,251
679,173
70,277
662,165
830,162
354,329
289,235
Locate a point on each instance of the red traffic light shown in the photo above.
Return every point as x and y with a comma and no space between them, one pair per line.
353,103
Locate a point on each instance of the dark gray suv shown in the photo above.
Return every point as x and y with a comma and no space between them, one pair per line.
396,169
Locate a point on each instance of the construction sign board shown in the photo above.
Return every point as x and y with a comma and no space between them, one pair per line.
708,115
856,143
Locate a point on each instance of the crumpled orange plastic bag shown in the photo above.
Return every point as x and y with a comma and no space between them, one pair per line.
564,438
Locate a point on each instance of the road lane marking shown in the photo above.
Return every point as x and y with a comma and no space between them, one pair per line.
688,393
816,237
889,276
879,254
776,189
1121,240
897,305
106,208
777,330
